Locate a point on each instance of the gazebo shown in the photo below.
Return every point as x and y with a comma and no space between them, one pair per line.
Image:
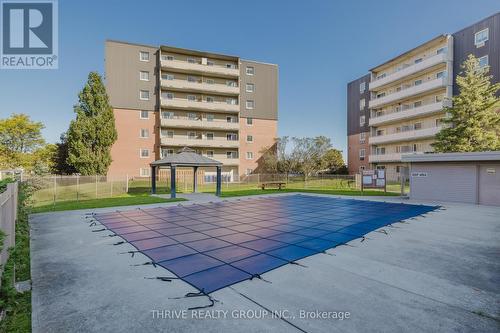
186,157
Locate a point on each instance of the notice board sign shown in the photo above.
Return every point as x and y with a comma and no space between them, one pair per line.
373,179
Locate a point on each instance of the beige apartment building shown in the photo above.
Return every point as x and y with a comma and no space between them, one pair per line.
166,98
398,107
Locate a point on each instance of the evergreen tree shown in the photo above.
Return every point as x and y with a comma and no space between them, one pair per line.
93,132
473,121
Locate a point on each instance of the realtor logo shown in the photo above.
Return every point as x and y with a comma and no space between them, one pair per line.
29,34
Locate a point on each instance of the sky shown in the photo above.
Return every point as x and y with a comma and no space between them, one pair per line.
319,47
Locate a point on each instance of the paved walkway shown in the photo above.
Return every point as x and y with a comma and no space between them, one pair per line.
438,273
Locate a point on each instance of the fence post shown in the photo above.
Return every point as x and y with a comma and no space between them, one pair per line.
55,190
77,187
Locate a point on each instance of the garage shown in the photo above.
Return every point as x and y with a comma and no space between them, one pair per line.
456,177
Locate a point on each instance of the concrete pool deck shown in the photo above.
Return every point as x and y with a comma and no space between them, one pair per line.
435,273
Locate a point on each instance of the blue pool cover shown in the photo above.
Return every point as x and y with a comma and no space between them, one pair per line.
212,246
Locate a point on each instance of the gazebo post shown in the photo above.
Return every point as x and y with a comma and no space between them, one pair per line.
195,179
219,181
172,181
153,179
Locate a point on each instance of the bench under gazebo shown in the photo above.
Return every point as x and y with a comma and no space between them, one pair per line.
186,157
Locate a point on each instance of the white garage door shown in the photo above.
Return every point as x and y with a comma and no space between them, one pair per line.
489,184
443,182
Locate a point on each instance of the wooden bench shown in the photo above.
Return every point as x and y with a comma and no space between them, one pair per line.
279,185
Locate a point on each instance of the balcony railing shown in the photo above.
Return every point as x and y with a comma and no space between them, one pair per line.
227,161
198,123
406,71
181,103
199,68
394,157
408,92
200,86
410,113
405,136
185,142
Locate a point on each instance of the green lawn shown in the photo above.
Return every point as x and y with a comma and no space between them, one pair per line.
255,191
123,200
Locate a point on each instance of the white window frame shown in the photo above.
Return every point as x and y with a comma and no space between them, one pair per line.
251,138
141,133
251,86
484,40
248,171
362,104
189,136
209,99
487,61
170,134
247,104
420,81
210,117
251,121
210,134
145,172
163,113
232,135
192,98
191,60
209,153
362,87
249,155
362,154
140,95
362,120
250,70
140,114
167,94
146,74
144,150
141,53
230,154
362,137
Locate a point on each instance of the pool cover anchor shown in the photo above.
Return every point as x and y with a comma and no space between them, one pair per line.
99,230
162,278
119,243
301,265
258,276
146,263
199,294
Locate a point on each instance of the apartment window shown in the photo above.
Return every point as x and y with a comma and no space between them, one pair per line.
417,126
143,56
167,115
249,121
439,98
209,153
191,98
167,77
418,60
144,95
379,132
380,151
362,121
167,133
231,83
483,61
231,119
381,76
145,172
191,78
417,104
144,133
248,171
166,152
144,76
362,154
232,154
362,137
144,114
361,168
362,103
249,155
167,95
481,37
381,95
191,60
210,63
441,75
231,137
249,138
362,87
250,70
209,99
209,136
231,101
250,104
232,66
250,87
417,82
192,135
191,116
144,153
210,117
210,81
442,50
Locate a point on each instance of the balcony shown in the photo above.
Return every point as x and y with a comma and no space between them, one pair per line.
200,86
202,124
407,114
185,142
188,67
228,161
180,103
405,136
376,158
407,71
409,92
